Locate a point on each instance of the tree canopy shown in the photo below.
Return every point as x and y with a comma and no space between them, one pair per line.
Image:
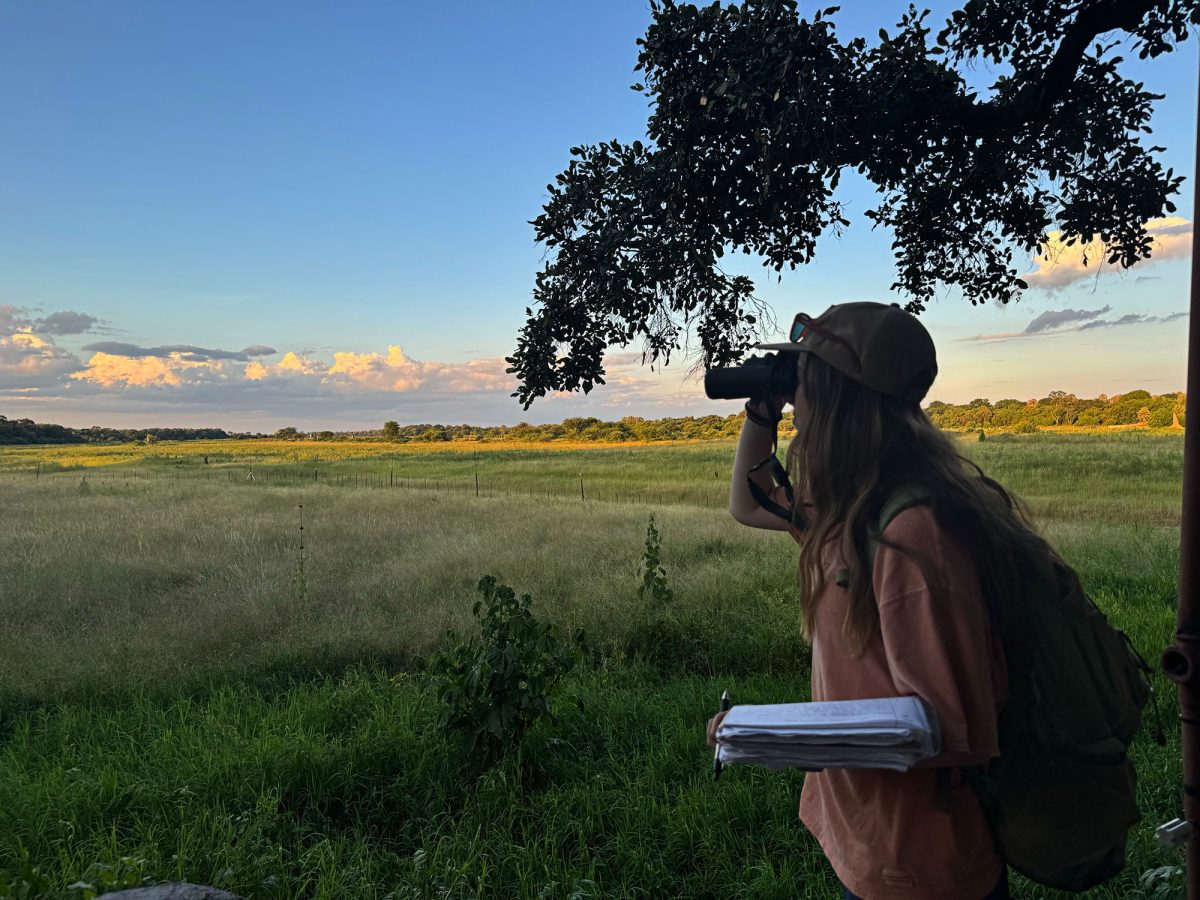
756,112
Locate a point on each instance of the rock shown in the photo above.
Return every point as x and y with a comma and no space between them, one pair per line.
180,891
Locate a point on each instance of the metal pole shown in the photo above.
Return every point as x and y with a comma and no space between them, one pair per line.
1181,662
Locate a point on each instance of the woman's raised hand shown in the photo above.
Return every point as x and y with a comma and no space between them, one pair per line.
770,409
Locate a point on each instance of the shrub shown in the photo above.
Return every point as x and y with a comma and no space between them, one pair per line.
1161,417
654,576
1026,428
498,684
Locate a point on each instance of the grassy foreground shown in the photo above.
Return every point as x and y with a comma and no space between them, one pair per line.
176,703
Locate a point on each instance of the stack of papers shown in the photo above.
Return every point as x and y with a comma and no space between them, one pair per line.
889,733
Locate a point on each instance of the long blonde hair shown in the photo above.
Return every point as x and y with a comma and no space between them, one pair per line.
855,450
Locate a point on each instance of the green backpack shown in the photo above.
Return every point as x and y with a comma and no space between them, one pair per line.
1060,797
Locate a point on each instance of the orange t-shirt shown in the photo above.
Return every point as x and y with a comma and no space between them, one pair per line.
881,830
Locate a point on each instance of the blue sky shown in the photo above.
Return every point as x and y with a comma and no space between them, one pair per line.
203,182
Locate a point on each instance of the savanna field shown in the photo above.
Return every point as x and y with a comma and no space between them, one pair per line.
186,695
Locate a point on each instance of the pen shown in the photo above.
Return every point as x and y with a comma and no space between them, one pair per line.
717,753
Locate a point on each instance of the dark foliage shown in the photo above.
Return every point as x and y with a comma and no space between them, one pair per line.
757,112
26,431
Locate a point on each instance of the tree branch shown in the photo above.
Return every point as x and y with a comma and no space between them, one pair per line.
1036,100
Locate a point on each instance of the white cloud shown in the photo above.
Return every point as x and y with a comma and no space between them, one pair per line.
28,360
117,371
1059,265
399,372
292,365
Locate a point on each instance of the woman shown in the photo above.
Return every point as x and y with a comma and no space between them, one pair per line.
916,610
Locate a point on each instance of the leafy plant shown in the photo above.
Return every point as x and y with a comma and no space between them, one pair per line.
498,683
27,883
654,576
300,580
101,878
1164,883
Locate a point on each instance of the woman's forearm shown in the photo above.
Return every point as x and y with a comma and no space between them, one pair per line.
754,445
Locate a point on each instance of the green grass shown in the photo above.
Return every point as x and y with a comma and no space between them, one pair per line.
1070,477
169,693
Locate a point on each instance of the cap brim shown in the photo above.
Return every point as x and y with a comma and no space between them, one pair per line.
789,347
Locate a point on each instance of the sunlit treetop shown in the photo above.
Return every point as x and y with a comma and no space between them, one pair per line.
755,114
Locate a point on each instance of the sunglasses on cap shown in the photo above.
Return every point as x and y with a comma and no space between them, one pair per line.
803,324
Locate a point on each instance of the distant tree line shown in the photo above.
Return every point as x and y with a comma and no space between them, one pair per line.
1058,408
1061,408
26,431
585,429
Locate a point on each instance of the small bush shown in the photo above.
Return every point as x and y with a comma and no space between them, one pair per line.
654,576
498,684
1026,428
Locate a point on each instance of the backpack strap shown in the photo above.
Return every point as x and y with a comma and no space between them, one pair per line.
898,501
904,497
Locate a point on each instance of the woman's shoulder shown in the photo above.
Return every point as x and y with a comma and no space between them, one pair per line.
914,524
916,550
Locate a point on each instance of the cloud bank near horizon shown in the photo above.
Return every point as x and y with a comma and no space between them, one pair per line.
48,371
112,379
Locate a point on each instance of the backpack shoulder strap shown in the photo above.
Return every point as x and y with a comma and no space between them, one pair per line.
904,497
898,501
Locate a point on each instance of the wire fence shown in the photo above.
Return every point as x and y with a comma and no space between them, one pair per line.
579,489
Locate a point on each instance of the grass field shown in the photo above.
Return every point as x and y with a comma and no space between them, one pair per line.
176,703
